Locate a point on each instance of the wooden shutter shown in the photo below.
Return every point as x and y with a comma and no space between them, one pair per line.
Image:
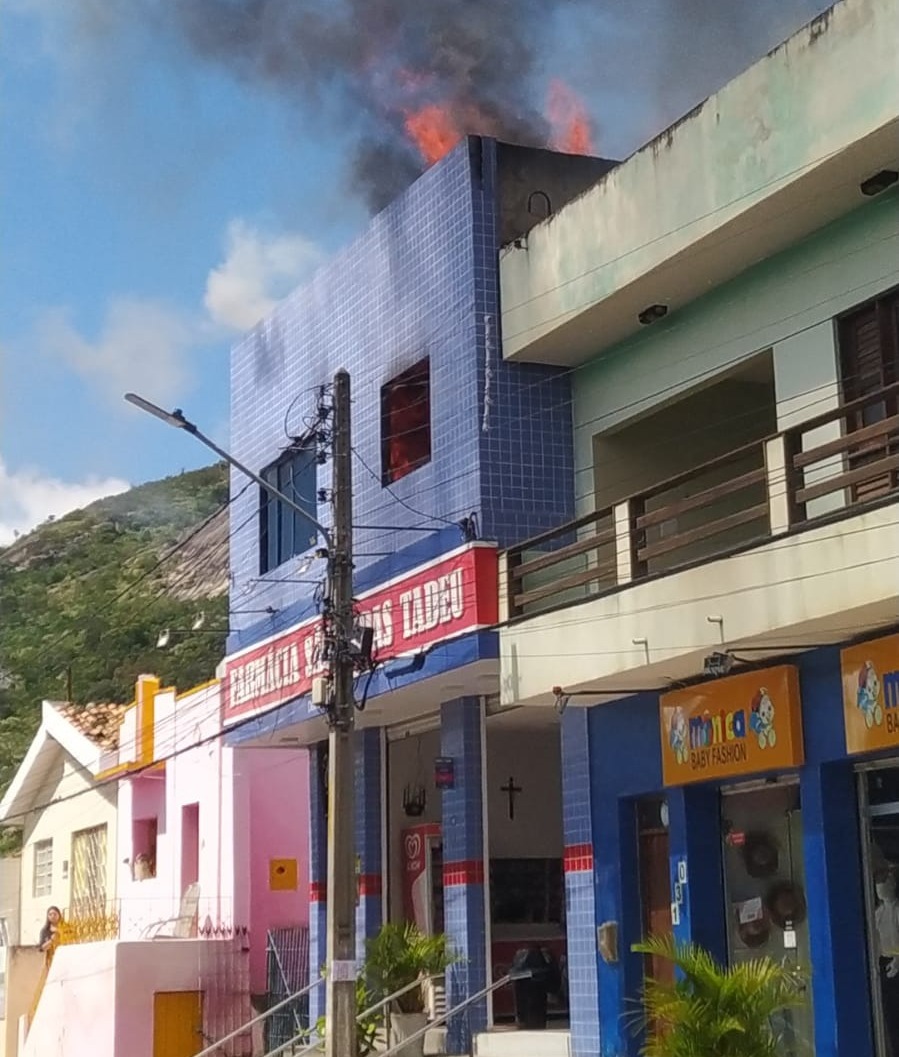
869,357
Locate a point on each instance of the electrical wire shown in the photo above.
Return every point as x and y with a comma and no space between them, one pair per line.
717,370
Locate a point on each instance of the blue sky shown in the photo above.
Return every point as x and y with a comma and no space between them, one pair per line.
152,209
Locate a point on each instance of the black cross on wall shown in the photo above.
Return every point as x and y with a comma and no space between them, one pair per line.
512,789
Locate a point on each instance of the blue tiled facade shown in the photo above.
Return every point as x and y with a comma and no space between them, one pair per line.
618,744
580,897
369,813
318,874
462,733
421,281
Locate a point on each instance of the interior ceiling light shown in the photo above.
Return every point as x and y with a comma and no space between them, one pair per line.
652,313
880,181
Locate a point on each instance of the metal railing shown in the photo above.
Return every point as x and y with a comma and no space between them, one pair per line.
364,1015
275,953
214,1049
782,483
448,1015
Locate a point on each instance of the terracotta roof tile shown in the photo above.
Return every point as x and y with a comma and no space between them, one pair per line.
99,722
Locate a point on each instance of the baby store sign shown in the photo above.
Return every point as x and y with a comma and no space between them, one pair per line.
740,725
454,595
871,694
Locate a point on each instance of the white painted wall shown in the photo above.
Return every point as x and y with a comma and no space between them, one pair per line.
10,879
827,580
786,304
533,759
98,999
76,1014
66,802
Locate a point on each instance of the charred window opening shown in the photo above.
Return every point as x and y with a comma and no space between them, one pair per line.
406,422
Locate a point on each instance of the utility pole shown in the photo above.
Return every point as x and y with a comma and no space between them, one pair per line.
340,1004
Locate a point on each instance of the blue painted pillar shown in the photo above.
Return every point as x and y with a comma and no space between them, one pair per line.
616,870
580,894
697,886
462,739
369,823
318,876
836,911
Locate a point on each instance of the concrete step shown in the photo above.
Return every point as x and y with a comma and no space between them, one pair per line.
553,1042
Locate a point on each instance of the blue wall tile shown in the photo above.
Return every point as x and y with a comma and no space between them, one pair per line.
369,822
461,733
422,280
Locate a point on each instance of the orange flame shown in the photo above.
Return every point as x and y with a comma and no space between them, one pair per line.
572,128
433,131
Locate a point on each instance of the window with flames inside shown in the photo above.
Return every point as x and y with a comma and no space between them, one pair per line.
406,422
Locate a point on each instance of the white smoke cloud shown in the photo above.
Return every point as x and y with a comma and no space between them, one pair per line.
142,344
28,497
258,270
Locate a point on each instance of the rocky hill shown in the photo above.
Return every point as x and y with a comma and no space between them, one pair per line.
83,600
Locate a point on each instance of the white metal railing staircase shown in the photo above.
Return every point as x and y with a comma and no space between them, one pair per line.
304,1043
311,1045
450,1013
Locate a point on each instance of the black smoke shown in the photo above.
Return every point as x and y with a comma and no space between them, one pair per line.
370,62
363,64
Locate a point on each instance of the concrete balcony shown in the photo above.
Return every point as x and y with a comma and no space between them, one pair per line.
757,167
785,543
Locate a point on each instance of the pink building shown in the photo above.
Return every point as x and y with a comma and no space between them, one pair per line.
212,899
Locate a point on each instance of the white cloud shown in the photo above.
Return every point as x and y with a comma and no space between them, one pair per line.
257,271
148,346
142,345
27,498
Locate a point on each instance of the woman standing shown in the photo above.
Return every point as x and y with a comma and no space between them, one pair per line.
50,931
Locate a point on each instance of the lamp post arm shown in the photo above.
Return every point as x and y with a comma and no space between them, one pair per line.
178,421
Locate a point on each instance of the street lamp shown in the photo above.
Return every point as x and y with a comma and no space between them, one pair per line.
340,1012
177,420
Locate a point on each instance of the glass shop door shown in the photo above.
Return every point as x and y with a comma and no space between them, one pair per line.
764,885
879,796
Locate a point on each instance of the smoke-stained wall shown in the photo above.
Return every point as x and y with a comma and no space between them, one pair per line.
421,281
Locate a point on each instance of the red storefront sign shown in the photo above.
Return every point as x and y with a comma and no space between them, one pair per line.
449,597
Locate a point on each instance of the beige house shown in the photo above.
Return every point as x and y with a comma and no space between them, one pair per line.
68,819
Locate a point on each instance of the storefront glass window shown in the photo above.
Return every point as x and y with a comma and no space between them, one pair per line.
880,797
765,891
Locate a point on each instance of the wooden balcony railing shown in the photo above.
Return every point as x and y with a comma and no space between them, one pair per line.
824,467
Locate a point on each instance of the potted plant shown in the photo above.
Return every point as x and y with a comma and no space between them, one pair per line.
712,1010
398,956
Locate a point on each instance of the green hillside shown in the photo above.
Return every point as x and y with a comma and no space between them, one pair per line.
89,594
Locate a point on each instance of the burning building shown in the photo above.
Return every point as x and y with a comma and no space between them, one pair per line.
447,437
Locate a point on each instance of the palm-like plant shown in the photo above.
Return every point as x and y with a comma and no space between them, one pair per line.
713,1011
399,955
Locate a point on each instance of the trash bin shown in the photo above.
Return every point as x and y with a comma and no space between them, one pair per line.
531,973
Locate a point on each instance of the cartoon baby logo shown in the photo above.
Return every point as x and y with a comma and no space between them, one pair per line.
762,719
677,735
868,698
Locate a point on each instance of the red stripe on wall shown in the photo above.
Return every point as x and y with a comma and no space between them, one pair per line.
578,858
464,872
370,884
318,892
